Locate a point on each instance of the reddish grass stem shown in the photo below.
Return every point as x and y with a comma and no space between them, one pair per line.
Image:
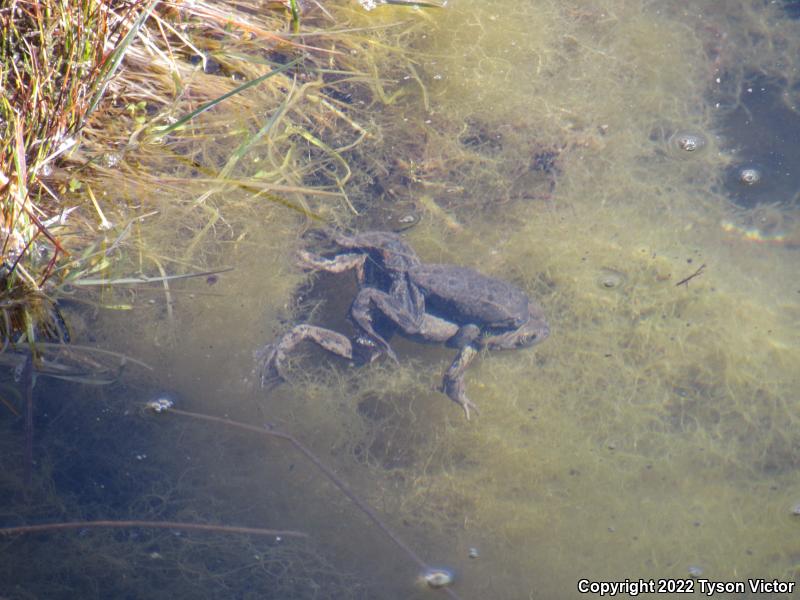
150,524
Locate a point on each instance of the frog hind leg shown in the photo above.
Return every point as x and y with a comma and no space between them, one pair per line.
272,355
453,381
466,334
406,315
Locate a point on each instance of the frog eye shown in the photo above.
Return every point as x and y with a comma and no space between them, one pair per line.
534,336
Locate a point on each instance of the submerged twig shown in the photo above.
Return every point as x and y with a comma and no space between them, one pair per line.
150,524
335,479
686,280
167,294
90,349
146,279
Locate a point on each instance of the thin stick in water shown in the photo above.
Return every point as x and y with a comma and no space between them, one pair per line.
335,479
150,524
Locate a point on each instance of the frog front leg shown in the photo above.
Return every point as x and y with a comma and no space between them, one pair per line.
403,306
273,355
453,381
338,264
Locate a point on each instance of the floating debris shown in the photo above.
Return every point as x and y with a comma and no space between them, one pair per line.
610,279
695,571
687,141
749,176
160,404
438,578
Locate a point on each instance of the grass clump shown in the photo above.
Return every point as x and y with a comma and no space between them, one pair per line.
182,87
55,60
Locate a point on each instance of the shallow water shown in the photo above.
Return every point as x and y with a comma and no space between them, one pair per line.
654,435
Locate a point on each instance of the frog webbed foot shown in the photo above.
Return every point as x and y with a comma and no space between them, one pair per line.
455,390
453,381
365,350
272,355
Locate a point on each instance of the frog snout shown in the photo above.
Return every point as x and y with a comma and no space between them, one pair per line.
537,333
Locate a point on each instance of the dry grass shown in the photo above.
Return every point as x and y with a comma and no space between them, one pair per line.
55,61
100,90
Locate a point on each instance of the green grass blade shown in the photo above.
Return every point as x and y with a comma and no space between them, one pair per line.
144,278
245,146
116,58
163,130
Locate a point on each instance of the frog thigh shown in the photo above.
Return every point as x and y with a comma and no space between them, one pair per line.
437,330
398,312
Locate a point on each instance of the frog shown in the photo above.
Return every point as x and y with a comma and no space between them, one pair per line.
427,302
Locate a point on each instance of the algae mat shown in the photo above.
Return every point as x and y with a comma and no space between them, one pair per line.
654,435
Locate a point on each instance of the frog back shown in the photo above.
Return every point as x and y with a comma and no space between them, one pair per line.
462,295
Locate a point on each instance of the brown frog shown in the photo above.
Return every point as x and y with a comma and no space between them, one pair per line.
437,303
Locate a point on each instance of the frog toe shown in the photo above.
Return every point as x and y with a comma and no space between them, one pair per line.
456,390
467,404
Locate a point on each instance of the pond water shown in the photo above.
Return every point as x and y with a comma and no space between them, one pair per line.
591,153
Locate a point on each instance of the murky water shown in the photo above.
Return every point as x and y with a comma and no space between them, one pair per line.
654,435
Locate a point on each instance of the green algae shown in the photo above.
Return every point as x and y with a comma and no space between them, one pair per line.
656,429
